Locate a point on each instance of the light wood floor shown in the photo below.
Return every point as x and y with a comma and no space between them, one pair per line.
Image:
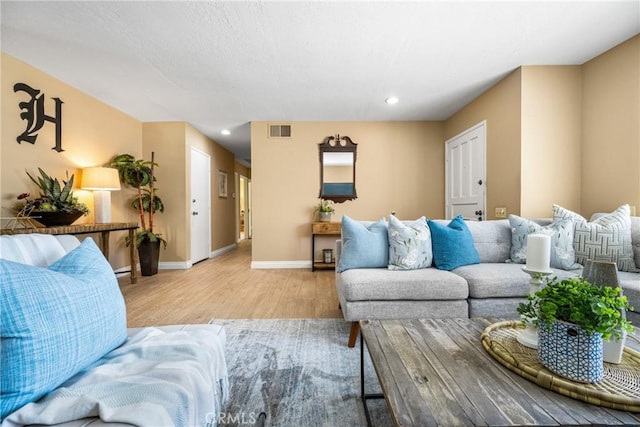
226,287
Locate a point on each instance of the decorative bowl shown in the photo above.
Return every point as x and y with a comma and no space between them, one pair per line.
52,219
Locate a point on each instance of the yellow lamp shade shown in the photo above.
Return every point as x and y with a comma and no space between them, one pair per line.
99,178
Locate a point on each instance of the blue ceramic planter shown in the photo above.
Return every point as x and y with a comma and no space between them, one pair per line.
570,352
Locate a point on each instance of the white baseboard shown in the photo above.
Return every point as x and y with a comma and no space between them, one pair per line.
174,265
179,265
279,264
221,251
123,271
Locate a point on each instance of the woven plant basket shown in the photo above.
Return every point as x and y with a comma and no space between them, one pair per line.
570,352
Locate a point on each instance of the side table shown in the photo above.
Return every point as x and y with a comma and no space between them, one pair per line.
323,229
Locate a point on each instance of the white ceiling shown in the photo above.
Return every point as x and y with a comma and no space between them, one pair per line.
220,65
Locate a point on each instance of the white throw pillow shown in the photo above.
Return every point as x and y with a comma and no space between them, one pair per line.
606,239
409,244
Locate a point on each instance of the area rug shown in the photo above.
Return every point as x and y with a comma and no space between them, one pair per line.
300,372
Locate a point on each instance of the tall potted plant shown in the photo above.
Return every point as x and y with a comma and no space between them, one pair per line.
139,174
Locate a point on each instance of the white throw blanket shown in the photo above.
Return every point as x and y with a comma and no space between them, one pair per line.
154,379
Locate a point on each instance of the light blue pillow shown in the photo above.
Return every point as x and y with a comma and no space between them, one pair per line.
363,246
56,321
452,244
561,232
409,245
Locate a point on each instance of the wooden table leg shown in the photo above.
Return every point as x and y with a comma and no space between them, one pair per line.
132,255
104,243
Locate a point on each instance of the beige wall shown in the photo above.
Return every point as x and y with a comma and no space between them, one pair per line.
242,170
167,141
92,133
611,129
500,106
550,140
399,167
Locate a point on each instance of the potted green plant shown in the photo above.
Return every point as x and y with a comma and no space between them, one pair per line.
56,204
139,174
324,210
576,315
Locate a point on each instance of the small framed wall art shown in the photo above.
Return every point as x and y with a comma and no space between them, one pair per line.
222,184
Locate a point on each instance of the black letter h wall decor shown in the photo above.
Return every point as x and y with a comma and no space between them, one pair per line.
33,114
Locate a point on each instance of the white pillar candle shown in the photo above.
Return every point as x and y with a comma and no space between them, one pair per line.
538,252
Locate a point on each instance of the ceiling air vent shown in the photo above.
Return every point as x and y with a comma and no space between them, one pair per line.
279,131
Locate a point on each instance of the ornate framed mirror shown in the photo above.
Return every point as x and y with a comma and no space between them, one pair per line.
338,168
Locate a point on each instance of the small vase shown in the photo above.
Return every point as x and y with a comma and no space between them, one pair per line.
570,352
325,216
612,350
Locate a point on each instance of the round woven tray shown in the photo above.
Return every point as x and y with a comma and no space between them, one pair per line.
619,389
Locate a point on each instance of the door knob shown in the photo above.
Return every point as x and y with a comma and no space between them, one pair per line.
480,182
194,213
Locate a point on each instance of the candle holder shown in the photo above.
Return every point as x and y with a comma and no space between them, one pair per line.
529,337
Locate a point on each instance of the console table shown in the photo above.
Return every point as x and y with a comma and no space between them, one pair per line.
323,229
103,229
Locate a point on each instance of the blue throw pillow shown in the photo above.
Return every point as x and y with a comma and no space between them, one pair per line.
363,246
409,244
453,244
56,321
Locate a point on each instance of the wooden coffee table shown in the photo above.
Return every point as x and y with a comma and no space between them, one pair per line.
435,372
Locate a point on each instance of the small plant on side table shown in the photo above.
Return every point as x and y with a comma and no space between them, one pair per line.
324,210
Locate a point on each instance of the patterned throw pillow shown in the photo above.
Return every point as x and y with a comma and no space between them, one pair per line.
363,246
453,244
561,232
56,321
608,238
409,245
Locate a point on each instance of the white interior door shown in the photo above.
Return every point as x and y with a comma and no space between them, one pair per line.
465,174
200,205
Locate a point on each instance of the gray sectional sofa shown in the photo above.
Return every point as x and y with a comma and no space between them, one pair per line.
492,288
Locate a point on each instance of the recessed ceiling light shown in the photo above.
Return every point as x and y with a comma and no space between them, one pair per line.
391,100
226,132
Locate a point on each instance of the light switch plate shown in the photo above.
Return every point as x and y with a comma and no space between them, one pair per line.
501,212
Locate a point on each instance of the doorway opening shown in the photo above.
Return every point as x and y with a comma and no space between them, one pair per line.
244,208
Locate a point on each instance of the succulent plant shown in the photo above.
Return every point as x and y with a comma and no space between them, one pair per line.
54,197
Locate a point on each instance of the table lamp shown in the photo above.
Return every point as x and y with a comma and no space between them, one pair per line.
102,181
